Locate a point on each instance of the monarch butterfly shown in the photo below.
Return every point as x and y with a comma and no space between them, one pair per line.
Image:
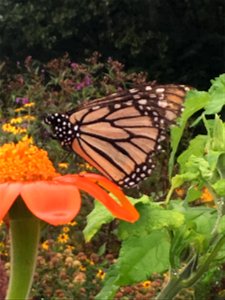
120,134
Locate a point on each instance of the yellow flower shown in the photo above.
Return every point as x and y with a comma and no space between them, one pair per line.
31,104
63,165
19,109
63,238
45,245
65,229
27,139
18,120
146,284
82,268
29,118
73,223
7,127
100,274
92,263
70,248
85,166
88,167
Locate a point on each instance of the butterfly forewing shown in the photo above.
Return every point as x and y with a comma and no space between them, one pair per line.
121,134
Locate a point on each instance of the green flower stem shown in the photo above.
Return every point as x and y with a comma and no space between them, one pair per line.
25,235
176,283
206,263
173,287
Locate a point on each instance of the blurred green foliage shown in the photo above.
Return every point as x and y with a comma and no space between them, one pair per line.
174,41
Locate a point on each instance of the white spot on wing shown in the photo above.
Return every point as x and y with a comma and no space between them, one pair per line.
95,107
162,104
160,90
116,106
148,88
133,91
142,101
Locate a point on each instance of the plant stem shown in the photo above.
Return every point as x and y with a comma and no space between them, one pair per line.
206,263
25,234
173,287
176,283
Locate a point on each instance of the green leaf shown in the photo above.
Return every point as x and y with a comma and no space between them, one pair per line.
221,227
205,222
217,95
196,147
182,239
213,158
219,187
199,165
193,194
141,256
153,217
100,215
218,135
191,213
179,179
195,101
199,222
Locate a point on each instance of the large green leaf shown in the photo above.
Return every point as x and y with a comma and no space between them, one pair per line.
153,217
139,258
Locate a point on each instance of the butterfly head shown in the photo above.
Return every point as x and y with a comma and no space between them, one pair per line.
61,127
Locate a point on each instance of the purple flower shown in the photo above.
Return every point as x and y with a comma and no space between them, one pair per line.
22,100
79,86
17,100
87,81
25,100
74,66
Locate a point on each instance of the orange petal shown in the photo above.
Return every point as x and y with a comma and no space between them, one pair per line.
8,194
114,189
87,182
53,202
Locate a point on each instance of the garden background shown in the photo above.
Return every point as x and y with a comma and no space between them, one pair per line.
54,55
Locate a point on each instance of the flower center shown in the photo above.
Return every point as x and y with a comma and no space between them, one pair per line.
25,162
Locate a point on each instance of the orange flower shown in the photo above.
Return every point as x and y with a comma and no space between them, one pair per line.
26,171
206,195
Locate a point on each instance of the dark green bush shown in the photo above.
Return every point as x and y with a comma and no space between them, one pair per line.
175,41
